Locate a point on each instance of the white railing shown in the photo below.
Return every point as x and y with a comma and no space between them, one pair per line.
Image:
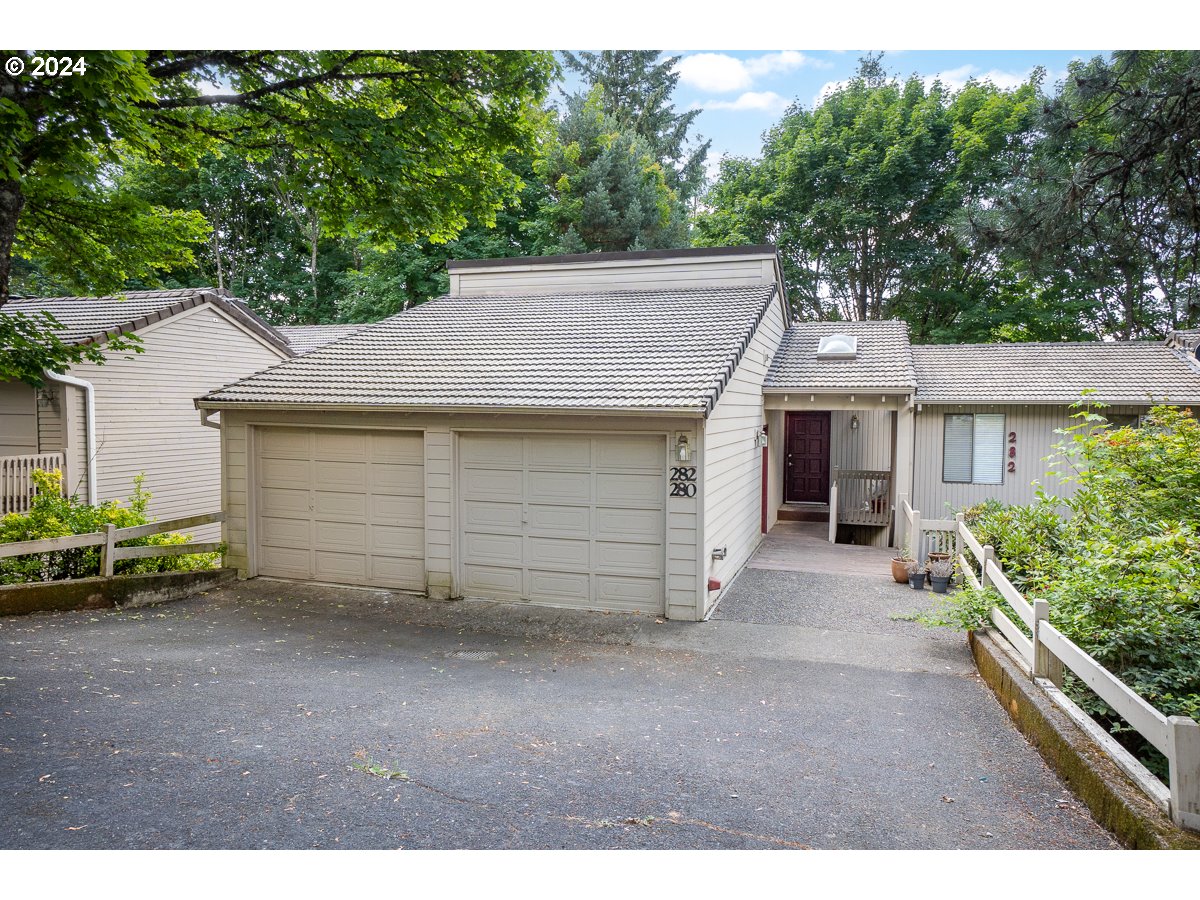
922,535
863,497
16,479
1046,651
108,539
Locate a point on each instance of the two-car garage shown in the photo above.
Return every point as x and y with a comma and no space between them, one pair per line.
557,519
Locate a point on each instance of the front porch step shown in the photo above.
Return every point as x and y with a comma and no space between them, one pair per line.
804,512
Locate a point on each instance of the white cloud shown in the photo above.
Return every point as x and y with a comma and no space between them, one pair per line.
721,73
756,101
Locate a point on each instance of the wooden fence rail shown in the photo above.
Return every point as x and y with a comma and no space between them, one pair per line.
1048,651
108,539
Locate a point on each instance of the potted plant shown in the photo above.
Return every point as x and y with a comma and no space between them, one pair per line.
916,575
900,566
936,556
940,572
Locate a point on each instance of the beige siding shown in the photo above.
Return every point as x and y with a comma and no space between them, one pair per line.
683,272
732,486
51,433
867,447
18,419
1034,427
684,597
146,420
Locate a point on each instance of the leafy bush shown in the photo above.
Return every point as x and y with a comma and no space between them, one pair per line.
51,515
1118,561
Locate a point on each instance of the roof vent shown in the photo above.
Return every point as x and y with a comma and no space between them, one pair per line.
837,346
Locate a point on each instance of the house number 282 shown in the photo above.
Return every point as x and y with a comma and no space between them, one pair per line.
683,481
1012,451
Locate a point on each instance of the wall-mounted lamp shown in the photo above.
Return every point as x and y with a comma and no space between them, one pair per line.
854,422
683,450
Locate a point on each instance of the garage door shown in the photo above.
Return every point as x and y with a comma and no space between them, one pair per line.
563,520
345,507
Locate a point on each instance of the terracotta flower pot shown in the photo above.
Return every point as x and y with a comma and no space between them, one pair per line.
900,570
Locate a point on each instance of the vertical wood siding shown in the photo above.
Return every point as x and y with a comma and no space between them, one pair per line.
732,485
1035,428
18,419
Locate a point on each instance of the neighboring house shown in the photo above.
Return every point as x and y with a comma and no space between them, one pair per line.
618,431
141,417
306,338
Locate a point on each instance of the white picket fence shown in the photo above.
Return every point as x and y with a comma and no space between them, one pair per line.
1048,651
16,479
108,539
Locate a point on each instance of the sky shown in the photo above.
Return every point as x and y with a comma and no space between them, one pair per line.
743,93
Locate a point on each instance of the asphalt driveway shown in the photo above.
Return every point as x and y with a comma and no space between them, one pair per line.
277,715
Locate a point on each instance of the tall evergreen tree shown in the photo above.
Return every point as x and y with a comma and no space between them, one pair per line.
636,91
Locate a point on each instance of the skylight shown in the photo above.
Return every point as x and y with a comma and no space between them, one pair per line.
837,346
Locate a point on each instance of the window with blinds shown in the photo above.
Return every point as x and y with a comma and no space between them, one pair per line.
973,448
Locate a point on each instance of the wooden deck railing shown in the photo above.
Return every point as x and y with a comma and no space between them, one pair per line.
862,496
108,539
1046,652
16,479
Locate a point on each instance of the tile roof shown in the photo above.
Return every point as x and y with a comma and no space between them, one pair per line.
883,361
612,350
88,319
1119,372
306,338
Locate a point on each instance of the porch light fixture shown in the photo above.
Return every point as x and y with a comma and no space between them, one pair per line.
683,450
854,422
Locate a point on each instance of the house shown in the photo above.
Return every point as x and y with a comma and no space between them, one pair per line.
618,432
104,424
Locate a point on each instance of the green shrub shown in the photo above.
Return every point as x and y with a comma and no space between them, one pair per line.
1118,561
51,515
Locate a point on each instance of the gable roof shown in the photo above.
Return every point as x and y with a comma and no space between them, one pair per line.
638,350
883,361
94,319
1137,372
307,338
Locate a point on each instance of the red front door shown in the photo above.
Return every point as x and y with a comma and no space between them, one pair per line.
806,463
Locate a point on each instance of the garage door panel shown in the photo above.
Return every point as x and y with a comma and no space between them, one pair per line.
635,558
274,501
588,511
560,587
488,450
340,535
295,443
398,478
285,562
626,452
341,446
574,520
340,504
337,566
493,581
390,539
623,592
558,553
559,451
630,488
493,484
565,487
342,476
295,473
489,548
630,524
397,510
294,533
398,448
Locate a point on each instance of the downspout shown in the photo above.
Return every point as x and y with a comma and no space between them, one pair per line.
89,415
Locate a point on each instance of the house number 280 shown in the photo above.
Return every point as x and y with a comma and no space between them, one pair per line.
683,481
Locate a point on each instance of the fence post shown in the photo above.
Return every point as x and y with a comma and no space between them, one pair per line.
959,525
989,553
915,540
833,511
106,550
1184,744
1045,663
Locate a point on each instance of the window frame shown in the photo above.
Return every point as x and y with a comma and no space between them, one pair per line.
971,454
